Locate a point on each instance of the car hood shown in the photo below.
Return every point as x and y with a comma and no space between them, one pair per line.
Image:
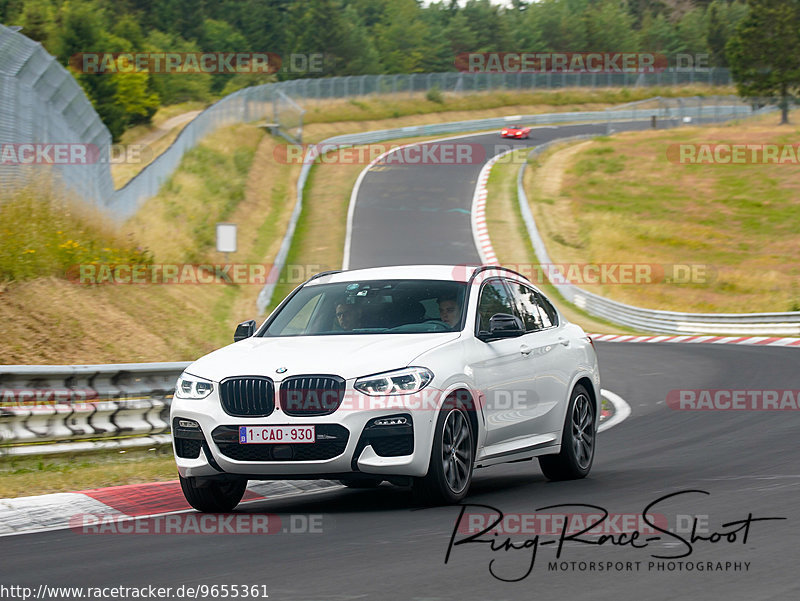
348,356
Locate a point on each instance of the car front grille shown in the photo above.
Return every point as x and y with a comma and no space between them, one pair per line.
307,396
249,396
331,442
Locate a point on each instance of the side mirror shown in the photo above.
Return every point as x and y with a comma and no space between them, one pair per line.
244,330
503,325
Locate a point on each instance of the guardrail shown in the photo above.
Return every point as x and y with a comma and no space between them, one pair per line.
46,409
55,408
40,102
668,322
699,111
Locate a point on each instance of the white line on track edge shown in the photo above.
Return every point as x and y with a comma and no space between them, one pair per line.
621,410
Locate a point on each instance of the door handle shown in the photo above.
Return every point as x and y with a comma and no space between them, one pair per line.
564,341
525,350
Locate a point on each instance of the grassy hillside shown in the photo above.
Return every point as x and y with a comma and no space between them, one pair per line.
625,200
233,175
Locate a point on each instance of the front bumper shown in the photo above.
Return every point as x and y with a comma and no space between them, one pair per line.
362,447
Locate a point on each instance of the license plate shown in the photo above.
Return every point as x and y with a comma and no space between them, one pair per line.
277,435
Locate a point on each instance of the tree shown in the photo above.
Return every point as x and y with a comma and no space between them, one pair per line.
37,20
219,36
320,28
717,33
401,38
610,28
692,33
563,24
487,25
133,96
459,35
763,52
721,23
658,35
177,87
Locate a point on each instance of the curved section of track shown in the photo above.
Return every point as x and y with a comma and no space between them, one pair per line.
371,545
413,214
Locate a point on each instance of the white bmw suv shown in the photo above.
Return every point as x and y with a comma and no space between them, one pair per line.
413,375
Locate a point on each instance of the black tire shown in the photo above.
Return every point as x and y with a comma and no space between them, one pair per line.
361,483
578,440
450,468
214,496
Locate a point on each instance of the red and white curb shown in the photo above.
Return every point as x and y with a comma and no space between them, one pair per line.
480,230
480,233
351,209
62,511
697,339
58,511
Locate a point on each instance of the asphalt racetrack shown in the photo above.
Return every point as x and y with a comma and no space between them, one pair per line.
374,545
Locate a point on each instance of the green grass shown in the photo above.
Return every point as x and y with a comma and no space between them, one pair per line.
46,234
401,105
632,204
22,476
512,244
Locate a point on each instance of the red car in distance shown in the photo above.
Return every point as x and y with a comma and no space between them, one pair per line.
516,131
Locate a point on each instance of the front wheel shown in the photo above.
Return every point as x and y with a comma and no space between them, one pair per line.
213,496
577,440
452,458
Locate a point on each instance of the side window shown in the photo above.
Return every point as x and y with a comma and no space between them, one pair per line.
528,306
494,299
549,315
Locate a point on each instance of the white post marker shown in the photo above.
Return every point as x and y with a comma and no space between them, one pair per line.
226,238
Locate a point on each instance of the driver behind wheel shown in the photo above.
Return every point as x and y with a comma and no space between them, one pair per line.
348,316
449,311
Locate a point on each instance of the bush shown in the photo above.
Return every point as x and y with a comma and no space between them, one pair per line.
435,95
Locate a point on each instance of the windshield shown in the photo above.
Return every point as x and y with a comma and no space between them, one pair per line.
372,307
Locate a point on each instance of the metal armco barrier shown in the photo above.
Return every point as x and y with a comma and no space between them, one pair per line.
79,407
40,102
668,322
698,110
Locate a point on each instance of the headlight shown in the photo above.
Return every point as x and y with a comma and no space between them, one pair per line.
401,381
192,387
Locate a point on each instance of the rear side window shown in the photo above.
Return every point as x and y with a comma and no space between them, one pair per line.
548,311
528,305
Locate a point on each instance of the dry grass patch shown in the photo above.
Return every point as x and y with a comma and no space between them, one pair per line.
397,106
52,320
